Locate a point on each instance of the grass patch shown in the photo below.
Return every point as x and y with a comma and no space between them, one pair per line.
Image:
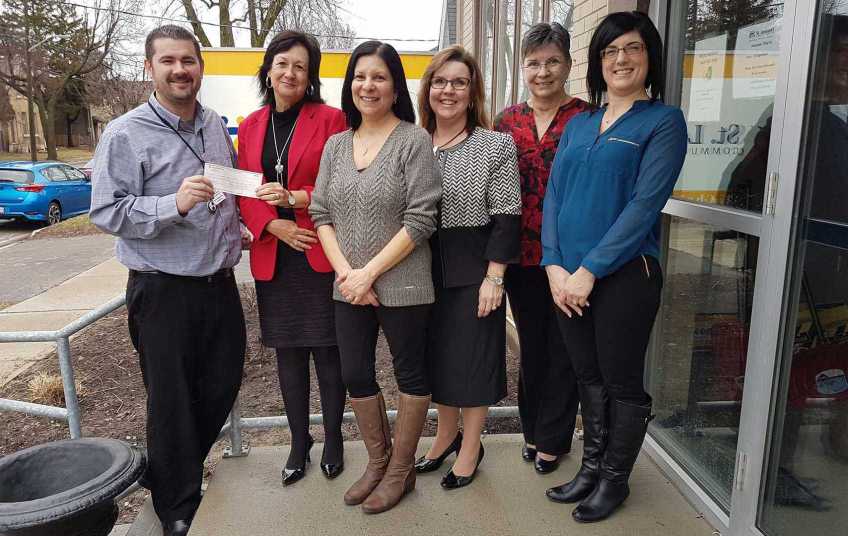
66,154
76,226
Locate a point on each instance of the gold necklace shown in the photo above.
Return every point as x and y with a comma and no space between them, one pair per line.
362,141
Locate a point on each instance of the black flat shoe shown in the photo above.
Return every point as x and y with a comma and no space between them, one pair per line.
292,475
426,465
332,470
176,528
544,467
528,454
452,481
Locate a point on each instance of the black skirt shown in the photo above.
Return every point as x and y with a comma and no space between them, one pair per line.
467,354
296,306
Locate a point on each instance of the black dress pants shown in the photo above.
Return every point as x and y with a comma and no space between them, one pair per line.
547,387
293,372
190,337
405,328
607,345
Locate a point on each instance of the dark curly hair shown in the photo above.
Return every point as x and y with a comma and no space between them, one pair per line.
282,42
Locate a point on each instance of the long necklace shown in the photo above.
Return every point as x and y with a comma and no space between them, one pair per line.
280,167
437,147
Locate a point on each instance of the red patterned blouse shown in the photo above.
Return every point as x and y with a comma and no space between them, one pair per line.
534,165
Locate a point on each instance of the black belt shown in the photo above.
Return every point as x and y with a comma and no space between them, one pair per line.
220,275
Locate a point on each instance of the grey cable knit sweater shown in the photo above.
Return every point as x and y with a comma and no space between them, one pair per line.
400,189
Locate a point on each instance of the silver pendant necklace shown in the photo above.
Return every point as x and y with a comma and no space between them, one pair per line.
280,167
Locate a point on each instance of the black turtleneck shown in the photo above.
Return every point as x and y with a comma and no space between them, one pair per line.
283,123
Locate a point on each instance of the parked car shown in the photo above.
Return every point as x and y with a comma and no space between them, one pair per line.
42,191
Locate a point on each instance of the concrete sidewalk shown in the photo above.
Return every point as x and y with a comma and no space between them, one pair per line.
54,309
245,498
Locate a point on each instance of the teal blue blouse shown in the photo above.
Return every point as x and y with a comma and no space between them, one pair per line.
605,193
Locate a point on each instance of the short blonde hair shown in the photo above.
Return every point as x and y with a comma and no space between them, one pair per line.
477,116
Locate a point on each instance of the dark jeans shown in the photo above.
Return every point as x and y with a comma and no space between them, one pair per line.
405,328
190,337
547,387
293,372
607,344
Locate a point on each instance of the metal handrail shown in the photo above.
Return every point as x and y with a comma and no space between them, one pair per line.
70,413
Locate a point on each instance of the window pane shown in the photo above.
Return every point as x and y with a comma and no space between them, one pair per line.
697,369
730,63
506,54
487,8
807,467
531,13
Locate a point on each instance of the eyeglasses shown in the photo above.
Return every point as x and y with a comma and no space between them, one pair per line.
458,84
552,65
630,49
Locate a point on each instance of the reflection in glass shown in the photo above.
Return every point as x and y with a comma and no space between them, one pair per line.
697,368
729,80
531,13
807,469
487,8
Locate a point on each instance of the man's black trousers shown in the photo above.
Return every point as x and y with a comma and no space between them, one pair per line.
190,337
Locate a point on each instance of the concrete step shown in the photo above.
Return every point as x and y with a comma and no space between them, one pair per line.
245,498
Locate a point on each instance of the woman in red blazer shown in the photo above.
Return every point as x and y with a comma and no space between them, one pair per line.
284,140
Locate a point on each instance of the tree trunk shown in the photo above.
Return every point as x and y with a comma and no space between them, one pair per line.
46,113
191,15
224,19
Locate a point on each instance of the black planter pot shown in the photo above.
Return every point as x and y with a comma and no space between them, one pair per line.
66,488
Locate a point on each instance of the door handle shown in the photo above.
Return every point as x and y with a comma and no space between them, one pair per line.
771,192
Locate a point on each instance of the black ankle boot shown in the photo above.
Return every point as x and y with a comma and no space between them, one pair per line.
629,425
593,403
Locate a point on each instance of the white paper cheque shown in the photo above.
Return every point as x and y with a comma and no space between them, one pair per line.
232,181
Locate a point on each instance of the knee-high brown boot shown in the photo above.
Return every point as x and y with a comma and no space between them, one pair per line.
400,474
374,429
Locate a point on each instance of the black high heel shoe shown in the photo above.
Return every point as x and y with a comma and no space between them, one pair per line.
426,465
528,454
332,470
452,481
290,476
544,467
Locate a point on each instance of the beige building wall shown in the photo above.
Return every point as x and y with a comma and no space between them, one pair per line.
587,15
17,131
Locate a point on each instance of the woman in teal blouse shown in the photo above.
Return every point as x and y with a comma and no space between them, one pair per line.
614,170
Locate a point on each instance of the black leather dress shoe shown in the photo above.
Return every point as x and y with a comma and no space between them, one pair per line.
292,475
452,481
332,470
528,454
426,465
176,528
545,466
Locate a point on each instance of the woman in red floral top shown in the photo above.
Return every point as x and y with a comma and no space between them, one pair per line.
547,389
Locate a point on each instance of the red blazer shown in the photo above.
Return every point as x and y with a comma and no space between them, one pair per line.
315,124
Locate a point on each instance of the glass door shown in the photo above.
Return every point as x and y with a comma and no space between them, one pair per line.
805,477
728,62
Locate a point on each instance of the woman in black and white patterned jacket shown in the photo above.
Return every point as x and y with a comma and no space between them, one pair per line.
478,235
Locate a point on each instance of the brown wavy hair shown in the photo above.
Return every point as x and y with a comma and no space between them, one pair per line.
477,116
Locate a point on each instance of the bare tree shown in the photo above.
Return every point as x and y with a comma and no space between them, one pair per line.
59,44
119,90
320,18
265,16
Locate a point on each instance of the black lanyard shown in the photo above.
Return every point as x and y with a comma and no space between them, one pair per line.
190,148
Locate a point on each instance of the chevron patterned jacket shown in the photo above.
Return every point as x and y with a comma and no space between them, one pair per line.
480,211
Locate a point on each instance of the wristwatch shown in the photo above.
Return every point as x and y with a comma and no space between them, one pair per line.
292,201
495,280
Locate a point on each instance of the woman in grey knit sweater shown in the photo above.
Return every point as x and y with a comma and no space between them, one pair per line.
374,207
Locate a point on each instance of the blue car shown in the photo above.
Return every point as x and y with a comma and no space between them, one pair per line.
42,191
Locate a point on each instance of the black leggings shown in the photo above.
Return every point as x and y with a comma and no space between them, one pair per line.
293,371
405,328
607,344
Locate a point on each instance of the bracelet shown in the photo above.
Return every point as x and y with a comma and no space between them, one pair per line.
496,280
